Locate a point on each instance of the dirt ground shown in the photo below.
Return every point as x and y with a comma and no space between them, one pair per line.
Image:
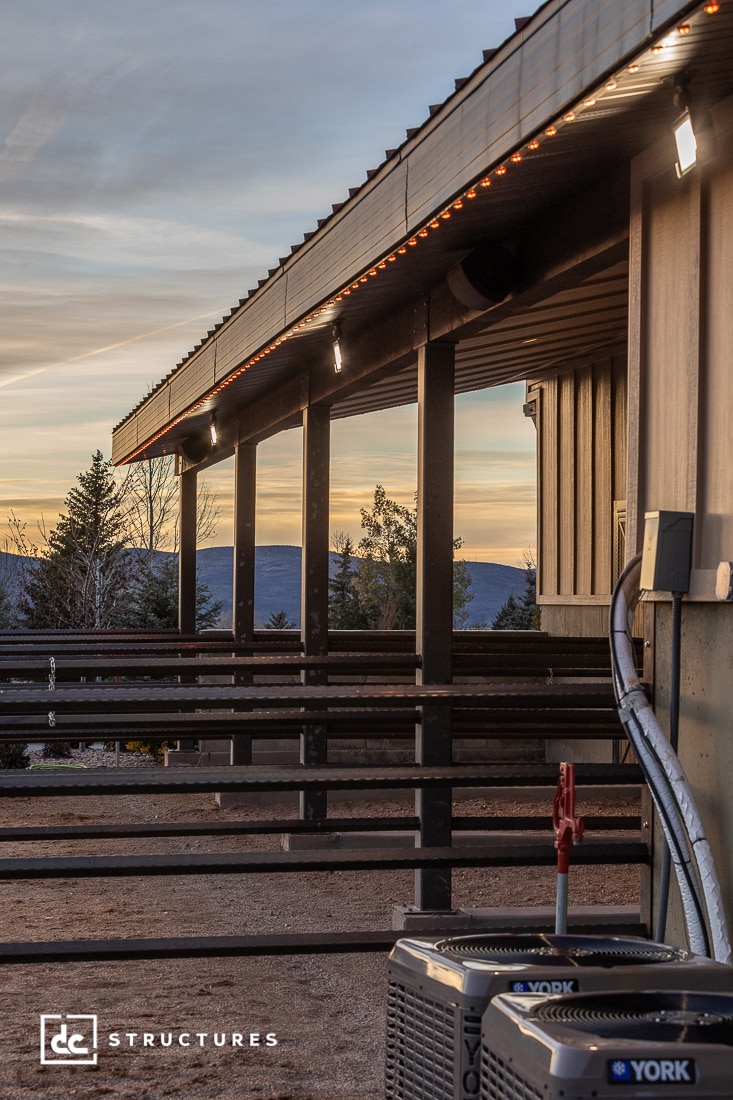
311,1027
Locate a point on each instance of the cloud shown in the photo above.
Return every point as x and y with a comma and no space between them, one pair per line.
156,159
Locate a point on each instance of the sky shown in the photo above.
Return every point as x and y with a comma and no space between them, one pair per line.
157,157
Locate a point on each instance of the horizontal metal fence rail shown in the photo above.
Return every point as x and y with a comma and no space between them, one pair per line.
522,854
538,706
327,826
113,781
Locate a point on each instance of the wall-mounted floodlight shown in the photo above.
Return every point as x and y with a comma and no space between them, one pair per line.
338,359
214,435
686,143
693,130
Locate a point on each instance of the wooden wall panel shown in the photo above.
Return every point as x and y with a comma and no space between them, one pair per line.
715,523
584,488
567,484
547,475
601,491
669,352
581,472
681,444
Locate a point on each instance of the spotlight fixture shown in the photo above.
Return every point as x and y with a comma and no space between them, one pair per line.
338,361
212,430
693,130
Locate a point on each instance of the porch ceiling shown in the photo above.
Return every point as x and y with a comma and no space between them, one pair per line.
592,73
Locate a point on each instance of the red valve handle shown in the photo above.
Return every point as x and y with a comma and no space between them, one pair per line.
568,828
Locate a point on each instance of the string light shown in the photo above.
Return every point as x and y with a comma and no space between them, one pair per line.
550,131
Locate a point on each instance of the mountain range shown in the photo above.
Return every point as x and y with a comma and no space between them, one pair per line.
277,582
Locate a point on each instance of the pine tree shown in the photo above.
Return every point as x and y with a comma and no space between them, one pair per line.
386,579
521,614
344,609
83,576
279,621
154,604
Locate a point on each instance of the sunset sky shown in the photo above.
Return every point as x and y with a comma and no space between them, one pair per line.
156,158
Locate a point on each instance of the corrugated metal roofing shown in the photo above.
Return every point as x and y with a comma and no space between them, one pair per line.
349,269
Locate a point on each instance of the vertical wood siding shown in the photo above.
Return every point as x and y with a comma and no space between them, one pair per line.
581,472
681,335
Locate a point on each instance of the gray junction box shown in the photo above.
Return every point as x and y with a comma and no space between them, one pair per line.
666,559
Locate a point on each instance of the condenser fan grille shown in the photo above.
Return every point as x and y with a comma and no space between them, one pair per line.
646,1016
420,1046
560,950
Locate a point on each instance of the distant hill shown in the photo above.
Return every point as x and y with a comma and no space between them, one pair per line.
277,582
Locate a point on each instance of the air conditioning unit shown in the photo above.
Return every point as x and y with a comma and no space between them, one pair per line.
650,1044
439,990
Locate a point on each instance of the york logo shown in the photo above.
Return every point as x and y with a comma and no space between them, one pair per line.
670,1071
568,985
68,1040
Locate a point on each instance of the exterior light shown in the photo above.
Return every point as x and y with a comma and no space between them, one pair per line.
214,435
693,130
338,361
686,143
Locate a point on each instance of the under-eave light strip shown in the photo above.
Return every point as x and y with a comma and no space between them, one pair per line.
567,118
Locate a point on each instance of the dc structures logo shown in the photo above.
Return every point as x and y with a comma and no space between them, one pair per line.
68,1040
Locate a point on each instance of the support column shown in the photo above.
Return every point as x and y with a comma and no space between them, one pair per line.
187,553
314,590
243,581
434,602
187,568
245,499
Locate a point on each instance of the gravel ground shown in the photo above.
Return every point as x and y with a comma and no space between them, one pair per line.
311,1028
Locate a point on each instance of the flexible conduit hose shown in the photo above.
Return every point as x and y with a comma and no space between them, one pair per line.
673,799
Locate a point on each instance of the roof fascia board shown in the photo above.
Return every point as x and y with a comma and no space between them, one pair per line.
566,49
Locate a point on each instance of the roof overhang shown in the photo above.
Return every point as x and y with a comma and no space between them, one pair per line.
531,152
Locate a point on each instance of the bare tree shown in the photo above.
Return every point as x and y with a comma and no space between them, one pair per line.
151,492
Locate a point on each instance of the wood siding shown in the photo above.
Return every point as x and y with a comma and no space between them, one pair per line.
681,335
581,448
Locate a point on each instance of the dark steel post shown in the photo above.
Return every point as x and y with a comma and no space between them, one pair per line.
187,567
245,498
314,591
243,581
434,604
187,553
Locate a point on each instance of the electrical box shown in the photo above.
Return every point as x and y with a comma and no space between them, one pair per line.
666,559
